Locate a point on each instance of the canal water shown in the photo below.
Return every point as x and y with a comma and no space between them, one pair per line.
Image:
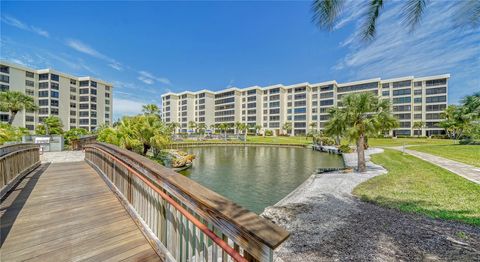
257,176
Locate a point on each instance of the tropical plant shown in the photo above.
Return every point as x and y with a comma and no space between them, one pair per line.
268,132
9,133
363,115
201,128
173,126
192,125
336,125
151,109
14,102
51,125
455,122
242,127
418,125
223,127
257,129
287,127
74,133
326,14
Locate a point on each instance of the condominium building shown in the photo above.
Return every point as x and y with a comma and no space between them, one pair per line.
80,102
306,105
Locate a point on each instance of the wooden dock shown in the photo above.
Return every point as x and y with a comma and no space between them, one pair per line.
66,212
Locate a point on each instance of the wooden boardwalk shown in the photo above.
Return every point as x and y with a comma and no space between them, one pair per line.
65,212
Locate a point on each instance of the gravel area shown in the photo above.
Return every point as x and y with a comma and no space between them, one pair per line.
328,224
60,157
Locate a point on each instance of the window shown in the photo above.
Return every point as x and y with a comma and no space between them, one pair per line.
4,79
301,110
326,95
417,108
54,111
436,82
83,83
417,116
435,107
93,107
404,124
274,104
417,100
274,125
300,125
401,108
93,83
386,85
431,116
43,111
326,88
29,127
402,84
401,100
300,103
54,102
324,117
73,89
83,106
93,91
43,85
418,83
107,116
300,117
54,86
29,92
43,77
29,118
83,113
300,96
73,113
249,99
402,92
417,92
437,90
225,100
83,121
357,87
107,102
274,118
4,88
4,69
403,116
386,93
29,83
436,99
275,111
107,108
83,98
73,121
73,97
300,89
54,94
275,97
43,102
107,88
73,81
42,93
4,117
230,93
249,92
73,105
275,91
251,119
93,99
54,77
326,102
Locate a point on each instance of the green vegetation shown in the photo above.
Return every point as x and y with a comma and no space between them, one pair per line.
361,115
413,185
468,154
389,142
14,102
462,122
74,133
9,133
51,125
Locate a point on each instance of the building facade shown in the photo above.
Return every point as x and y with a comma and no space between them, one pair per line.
306,105
80,102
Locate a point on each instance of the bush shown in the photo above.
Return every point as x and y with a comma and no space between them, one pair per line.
439,137
325,140
268,133
345,149
469,142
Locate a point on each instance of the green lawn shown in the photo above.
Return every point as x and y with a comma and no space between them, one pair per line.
413,185
386,142
468,154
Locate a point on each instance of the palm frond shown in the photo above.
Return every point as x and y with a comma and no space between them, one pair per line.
325,12
370,25
413,11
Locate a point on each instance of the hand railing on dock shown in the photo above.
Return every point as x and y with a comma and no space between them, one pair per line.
16,161
79,143
183,220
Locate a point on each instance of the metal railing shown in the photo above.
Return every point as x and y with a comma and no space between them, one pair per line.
16,161
183,220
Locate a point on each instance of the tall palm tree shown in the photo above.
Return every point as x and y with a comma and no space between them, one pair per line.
192,125
201,128
223,127
418,125
151,109
336,125
363,115
51,125
287,127
14,102
327,12
173,126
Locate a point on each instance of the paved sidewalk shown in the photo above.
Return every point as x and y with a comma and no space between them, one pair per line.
61,157
467,171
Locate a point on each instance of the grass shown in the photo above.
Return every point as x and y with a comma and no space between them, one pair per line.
415,186
387,142
468,154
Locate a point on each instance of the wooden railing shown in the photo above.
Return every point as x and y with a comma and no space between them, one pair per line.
15,162
183,220
79,144
226,143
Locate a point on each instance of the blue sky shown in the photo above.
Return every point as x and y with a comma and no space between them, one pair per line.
148,48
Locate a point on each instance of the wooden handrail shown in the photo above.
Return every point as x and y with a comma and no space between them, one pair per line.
15,162
228,223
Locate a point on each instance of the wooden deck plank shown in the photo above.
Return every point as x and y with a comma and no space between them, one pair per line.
65,212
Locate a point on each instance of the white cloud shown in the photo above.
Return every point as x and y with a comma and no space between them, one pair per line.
149,78
124,107
10,20
86,49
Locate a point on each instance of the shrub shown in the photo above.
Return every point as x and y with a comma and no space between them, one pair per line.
325,140
439,136
268,133
469,142
345,148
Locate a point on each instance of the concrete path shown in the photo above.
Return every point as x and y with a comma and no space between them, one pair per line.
467,171
62,157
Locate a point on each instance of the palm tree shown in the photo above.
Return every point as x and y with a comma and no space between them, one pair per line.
14,102
51,125
456,121
287,127
418,125
242,127
192,125
173,126
201,128
336,125
151,109
223,127
326,14
471,105
257,129
362,115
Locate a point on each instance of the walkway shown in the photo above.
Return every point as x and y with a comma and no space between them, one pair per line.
65,212
467,171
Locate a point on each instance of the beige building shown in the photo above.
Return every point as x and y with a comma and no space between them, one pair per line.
80,102
306,105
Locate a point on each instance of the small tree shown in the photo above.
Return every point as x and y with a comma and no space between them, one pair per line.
242,127
257,129
201,128
173,126
223,127
418,125
362,114
14,102
287,127
51,125
192,125
74,133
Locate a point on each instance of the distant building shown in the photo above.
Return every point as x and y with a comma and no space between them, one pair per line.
413,99
80,102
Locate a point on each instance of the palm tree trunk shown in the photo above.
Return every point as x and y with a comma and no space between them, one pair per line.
361,154
12,117
337,140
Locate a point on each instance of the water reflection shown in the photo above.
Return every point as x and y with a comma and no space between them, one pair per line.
256,177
